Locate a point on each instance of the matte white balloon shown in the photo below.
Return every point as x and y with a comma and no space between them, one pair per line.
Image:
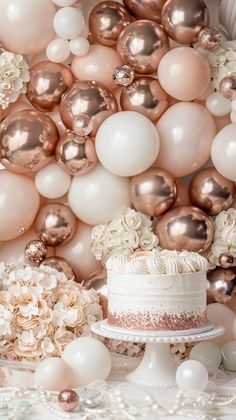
222,315
64,3
209,354
191,374
52,181
53,374
79,46
98,196
223,152
58,50
229,355
68,22
89,360
127,143
217,105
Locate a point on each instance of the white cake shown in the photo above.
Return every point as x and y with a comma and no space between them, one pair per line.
161,291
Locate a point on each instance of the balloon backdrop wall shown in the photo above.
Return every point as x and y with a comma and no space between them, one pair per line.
117,111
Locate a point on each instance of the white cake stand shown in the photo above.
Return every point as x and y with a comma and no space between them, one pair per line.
157,368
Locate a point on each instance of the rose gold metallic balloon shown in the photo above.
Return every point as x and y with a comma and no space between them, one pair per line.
226,259
27,141
48,82
145,9
76,154
142,44
146,96
90,100
185,228
210,38
222,284
60,265
55,224
153,192
184,19
36,250
227,87
123,75
107,20
211,191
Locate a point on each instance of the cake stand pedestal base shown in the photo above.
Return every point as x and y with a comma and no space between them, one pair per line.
157,368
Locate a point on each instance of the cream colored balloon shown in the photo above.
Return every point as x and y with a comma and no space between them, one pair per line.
222,315
223,152
217,105
52,181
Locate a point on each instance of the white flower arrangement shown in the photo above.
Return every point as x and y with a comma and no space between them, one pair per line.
123,236
14,74
41,311
225,235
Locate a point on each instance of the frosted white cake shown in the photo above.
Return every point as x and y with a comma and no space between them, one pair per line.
162,291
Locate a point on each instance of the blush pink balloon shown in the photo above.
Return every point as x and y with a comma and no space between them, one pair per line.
220,314
184,73
78,252
97,65
221,122
186,132
26,26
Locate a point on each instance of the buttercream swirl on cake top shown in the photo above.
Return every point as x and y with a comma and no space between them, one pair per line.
158,262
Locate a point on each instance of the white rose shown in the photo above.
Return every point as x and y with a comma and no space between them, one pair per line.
99,251
112,241
121,250
9,72
218,247
98,233
146,221
130,239
115,227
231,213
148,241
132,219
221,220
228,235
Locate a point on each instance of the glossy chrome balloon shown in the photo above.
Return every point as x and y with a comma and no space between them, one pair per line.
211,191
142,44
210,38
227,87
184,19
185,228
146,96
222,284
145,9
61,265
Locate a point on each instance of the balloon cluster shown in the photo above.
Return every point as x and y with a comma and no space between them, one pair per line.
119,109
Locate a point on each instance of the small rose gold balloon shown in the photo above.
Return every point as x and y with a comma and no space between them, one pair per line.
226,259
145,9
153,192
48,82
185,228
68,400
209,38
222,284
107,20
184,19
211,191
77,154
55,224
61,265
145,96
227,87
27,141
36,251
142,44
86,105
123,75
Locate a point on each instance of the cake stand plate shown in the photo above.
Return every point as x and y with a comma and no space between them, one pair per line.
157,368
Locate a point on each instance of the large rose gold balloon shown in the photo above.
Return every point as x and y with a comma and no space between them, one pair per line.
86,105
142,44
55,224
211,191
153,192
185,228
222,284
146,96
48,82
145,9
107,20
184,19
76,154
60,265
27,141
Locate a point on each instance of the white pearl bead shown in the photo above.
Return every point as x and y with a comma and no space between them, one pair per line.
58,50
79,46
68,22
217,105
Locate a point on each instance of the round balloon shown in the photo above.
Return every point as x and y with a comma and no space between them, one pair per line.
61,265
186,133
27,141
185,228
98,196
52,181
26,26
19,204
223,152
145,9
221,315
142,44
127,143
221,284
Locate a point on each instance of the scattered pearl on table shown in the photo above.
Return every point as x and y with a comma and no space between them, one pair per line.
192,375
53,374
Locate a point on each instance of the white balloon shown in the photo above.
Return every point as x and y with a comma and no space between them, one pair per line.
191,374
64,3
222,315
58,50
223,152
52,181
217,105
229,355
68,22
127,143
98,196
89,359
209,354
233,116
233,105
53,374
79,46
